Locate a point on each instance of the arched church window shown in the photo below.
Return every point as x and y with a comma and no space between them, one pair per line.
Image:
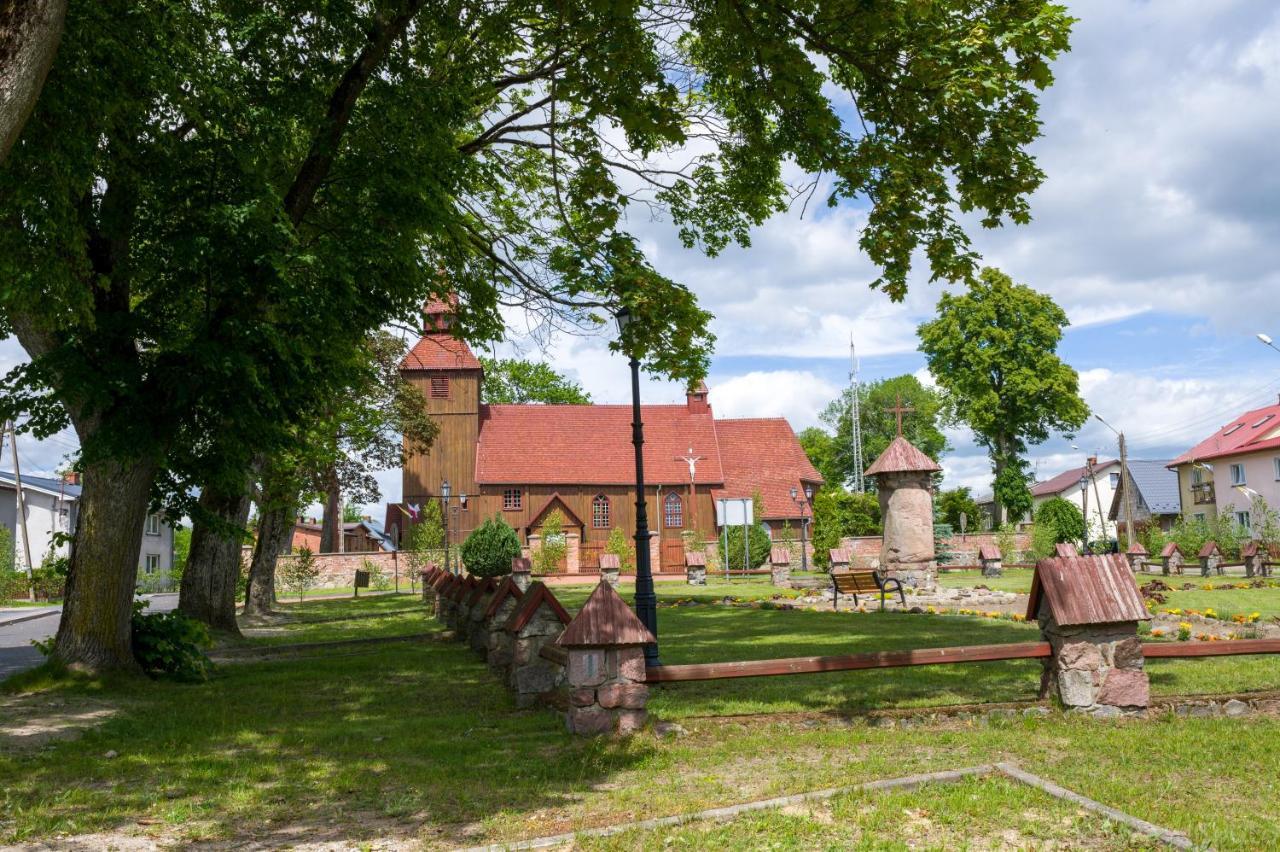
600,512
673,510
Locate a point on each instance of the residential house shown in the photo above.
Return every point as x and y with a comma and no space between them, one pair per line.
1226,471
363,536
1155,495
525,461
1101,479
52,511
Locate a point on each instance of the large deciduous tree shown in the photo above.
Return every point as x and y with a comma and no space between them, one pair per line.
994,350
213,204
922,426
29,35
516,381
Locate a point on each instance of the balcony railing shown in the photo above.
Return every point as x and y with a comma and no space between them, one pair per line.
1202,493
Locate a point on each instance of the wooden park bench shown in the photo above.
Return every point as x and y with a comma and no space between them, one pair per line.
863,581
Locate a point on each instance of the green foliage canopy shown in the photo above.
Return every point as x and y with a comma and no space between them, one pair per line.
1060,520
950,504
922,427
838,513
993,351
514,381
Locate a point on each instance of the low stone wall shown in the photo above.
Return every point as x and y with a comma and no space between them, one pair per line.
964,548
339,569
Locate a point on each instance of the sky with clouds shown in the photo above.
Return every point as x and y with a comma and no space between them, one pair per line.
1157,229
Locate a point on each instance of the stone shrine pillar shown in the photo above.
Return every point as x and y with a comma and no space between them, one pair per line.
695,567
1137,555
1171,559
501,606
991,560
538,620
1088,609
522,572
1255,555
606,673
1210,559
780,566
610,568
904,483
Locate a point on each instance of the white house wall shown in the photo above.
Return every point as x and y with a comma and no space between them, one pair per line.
1102,496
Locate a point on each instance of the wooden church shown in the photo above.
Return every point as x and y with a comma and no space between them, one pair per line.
524,461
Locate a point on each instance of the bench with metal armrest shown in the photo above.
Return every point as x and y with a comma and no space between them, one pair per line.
866,582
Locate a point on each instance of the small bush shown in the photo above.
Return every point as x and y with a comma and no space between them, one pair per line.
1058,520
170,644
623,548
757,550
489,549
300,573
378,579
546,559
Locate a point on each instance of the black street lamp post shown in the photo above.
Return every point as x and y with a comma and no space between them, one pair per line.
444,499
804,523
646,599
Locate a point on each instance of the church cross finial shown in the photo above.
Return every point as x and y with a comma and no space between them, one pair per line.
899,410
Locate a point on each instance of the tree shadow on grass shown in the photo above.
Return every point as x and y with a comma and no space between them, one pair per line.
698,634
418,737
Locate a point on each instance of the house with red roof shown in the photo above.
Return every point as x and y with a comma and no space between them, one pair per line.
1100,481
1227,470
523,462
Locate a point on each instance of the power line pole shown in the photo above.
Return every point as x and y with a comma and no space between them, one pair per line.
22,508
855,419
1126,482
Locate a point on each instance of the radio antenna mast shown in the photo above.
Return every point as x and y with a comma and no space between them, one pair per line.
855,419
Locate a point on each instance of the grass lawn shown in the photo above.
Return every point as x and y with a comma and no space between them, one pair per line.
418,743
1013,580
1226,602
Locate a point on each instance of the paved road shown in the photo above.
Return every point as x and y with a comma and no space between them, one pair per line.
16,651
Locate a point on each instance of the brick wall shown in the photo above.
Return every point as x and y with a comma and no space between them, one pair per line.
339,569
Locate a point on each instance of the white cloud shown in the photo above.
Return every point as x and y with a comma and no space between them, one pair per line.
797,395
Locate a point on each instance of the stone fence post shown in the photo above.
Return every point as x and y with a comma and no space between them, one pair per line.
537,621
1137,556
475,628
428,591
1210,559
990,559
1171,559
461,609
444,595
1088,609
607,689
695,567
521,572
1257,559
610,568
501,606
780,565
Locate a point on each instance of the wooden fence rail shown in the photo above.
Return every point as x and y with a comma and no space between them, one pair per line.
848,662
1176,650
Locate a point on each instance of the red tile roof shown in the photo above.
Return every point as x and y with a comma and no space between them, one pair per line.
591,445
764,455
901,456
1068,479
440,352
1252,431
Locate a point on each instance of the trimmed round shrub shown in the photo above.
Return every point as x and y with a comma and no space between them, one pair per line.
1060,520
758,546
489,549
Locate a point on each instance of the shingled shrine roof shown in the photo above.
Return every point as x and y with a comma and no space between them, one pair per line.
506,589
610,561
605,619
1086,590
1065,550
1170,549
899,457
988,552
534,597
482,588
695,558
1210,549
780,555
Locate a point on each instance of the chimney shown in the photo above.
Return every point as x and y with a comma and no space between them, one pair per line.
71,477
1092,461
696,399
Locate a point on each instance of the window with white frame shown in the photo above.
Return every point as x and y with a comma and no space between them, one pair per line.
152,565
512,499
1115,481
600,512
673,511
153,524
1237,474
1243,521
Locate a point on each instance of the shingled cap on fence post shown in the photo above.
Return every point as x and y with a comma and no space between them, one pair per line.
840,558
607,690
522,572
536,621
477,629
1065,550
1255,558
1171,559
429,593
780,565
695,567
503,603
991,560
1210,559
444,595
1137,556
610,568
1088,608
458,614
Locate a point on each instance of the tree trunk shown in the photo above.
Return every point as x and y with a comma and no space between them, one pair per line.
94,633
331,523
212,575
29,34
997,508
275,527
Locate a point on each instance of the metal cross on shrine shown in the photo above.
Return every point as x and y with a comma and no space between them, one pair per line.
692,461
899,410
